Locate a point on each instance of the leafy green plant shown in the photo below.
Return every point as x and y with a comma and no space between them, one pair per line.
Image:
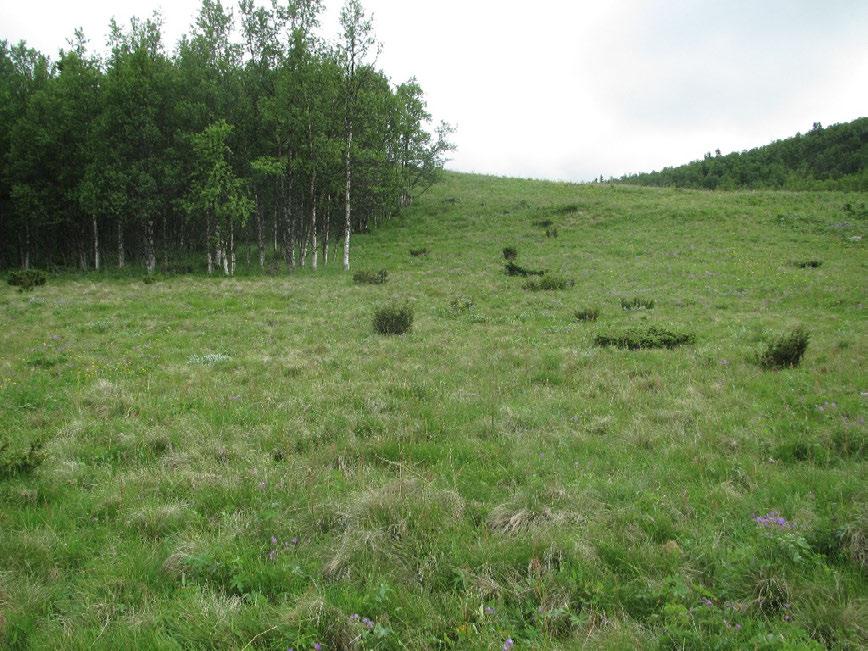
510,253
636,303
587,314
808,264
22,462
551,232
513,269
370,277
785,351
26,280
416,253
393,319
549,282
459,305
652,337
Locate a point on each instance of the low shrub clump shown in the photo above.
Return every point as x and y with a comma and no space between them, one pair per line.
370,277
544,223
22,462
637,303
549,282
808,264
27,279
393,319
459,305
416,253
587,314
513,269
652,337
510,253
786,351
551,232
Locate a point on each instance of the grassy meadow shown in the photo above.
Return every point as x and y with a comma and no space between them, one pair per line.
245,463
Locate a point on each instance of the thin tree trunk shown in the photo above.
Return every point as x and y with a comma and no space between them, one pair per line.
150,258
26,261
121,259
95,245
313,249
259,241
276,222
347,217
165,244
208,245
231,248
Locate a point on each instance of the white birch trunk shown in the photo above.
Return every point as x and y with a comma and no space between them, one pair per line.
95,245
150,258
313,249
347,215
121,259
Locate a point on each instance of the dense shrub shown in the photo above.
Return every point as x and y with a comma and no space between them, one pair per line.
418,252
393,319
808,264
786,350
551,232
637,303
21,462
26,280
544,223
513,269
549,282
587,314
459,305
370,277
652,337
510,253
149,280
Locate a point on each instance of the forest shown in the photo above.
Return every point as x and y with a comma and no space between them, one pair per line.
831,158
253,133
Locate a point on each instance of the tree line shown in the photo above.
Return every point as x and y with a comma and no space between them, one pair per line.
831,158
254,134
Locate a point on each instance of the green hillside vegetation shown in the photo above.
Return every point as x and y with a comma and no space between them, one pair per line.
210,462
831,158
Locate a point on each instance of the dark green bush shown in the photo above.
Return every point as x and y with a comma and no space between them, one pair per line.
13,464
370,277
652,337
786,351
637,303
418,252
393,319
587,314
510,253
544,223
808,264
26,280
549,282
149,280
459,305
551,232
513,269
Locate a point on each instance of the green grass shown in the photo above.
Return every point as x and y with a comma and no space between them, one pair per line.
489,475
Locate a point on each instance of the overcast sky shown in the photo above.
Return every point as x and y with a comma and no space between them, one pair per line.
570,89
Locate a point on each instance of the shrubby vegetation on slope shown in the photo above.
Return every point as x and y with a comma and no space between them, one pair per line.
280,140
831,158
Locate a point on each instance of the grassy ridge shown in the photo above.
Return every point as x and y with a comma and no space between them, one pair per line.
234,462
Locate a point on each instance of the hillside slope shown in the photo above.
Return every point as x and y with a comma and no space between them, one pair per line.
831,158
245,463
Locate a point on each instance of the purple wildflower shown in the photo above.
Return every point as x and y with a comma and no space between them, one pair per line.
368,623
295,540
707,602
738,627
274,541
272,555
354,617
508,644
772,519
317,646
489,610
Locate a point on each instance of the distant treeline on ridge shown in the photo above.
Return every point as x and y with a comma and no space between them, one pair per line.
831,158
252,131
